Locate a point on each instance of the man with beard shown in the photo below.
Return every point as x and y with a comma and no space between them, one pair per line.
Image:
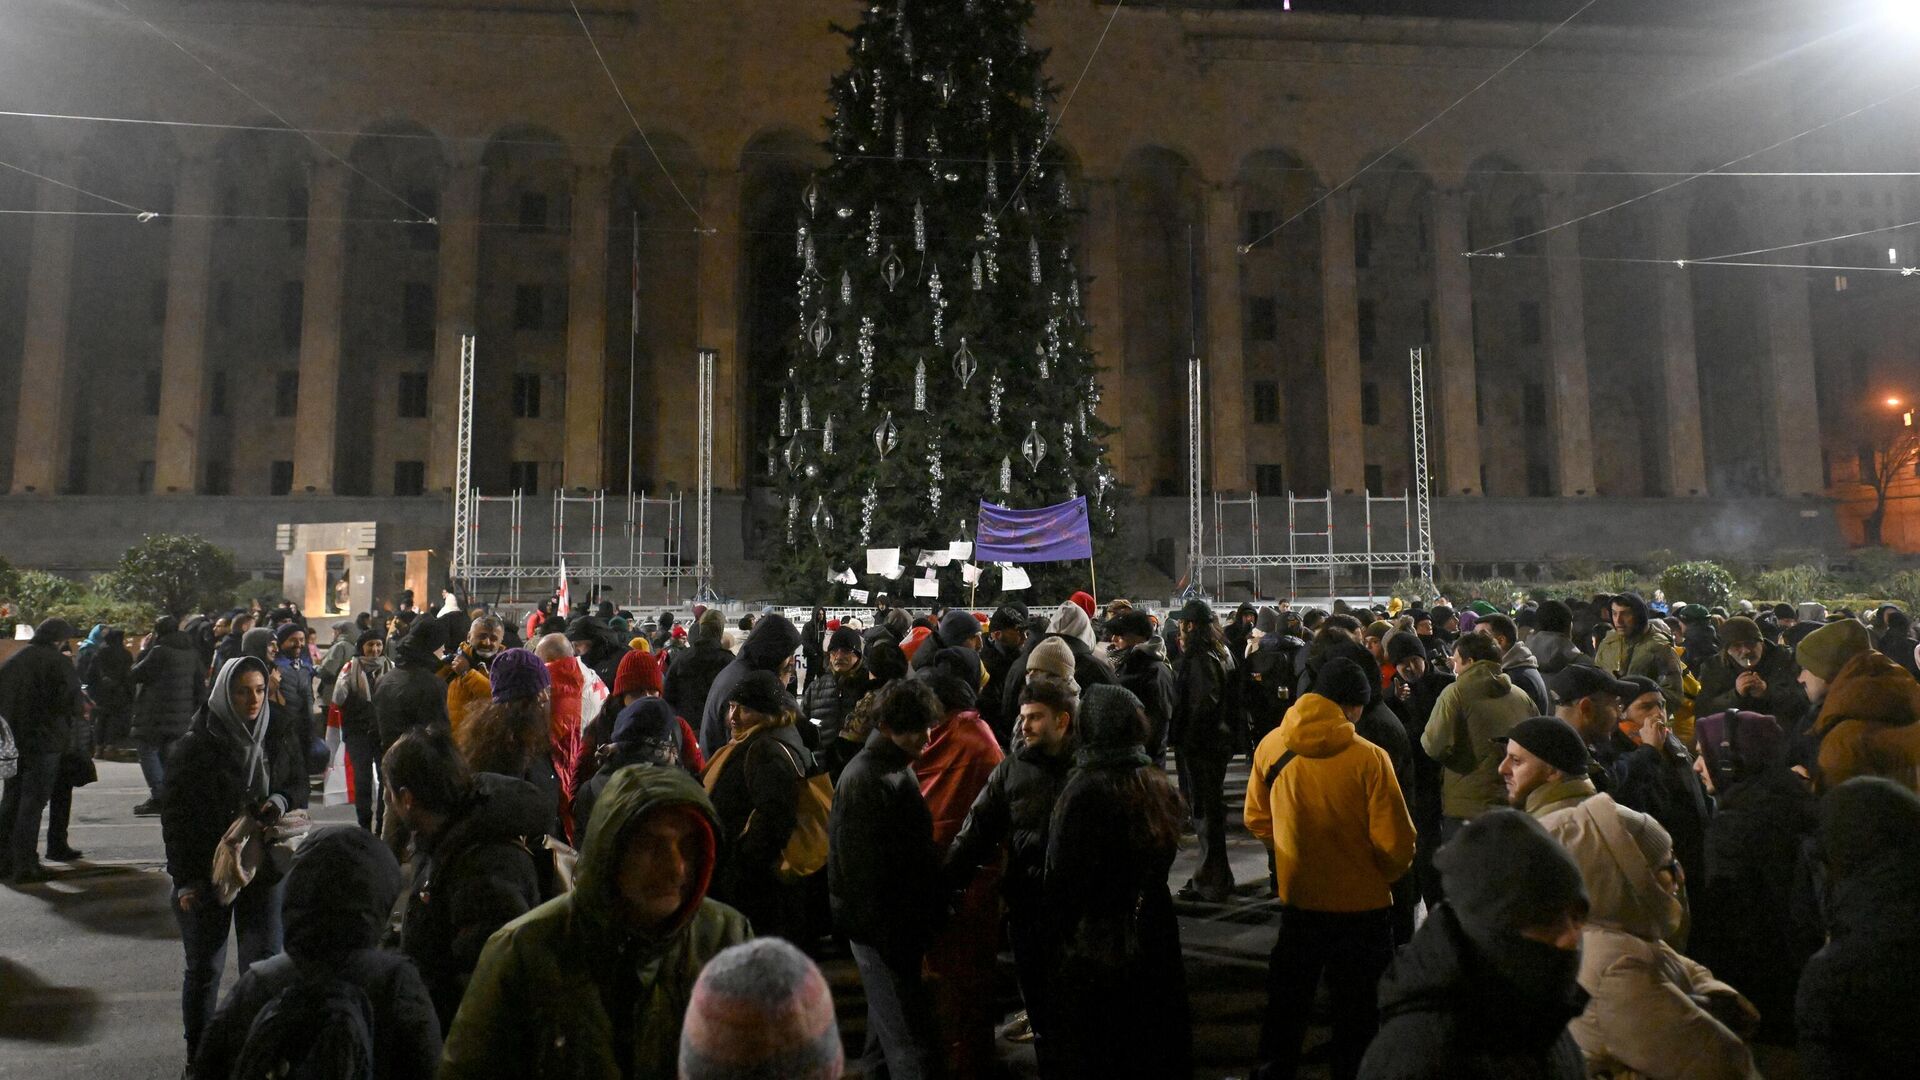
468,683
1545,766
832,693
1006,633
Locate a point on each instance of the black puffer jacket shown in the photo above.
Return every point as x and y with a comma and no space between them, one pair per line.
40,696
829,698
473,877
1445,1014
1144,671
1014,810
1784,699
772,640
172,686
341,887
883,873
1088,669
412,695
690,676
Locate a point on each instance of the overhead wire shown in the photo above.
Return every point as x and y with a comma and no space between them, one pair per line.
1395,148
624,104
1065,103
144,215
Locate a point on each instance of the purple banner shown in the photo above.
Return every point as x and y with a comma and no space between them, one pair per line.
1049,534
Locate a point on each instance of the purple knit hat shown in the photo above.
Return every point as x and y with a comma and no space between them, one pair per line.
517,673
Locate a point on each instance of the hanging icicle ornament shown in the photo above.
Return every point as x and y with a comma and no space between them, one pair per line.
906,42
821,519
1034,446
793,515
934,289
810,267
933,155
892,269
873,233
919,387
1073,297
800,240
1033,260
919,226
886,437
934,477
1066,193
1083,420
979,276
1066,439
806,414
866,360
819,334
786,422
991,234
772,453
986,92
1040,361
826,435
868,503
993,178
945,86
1006,475
994,389
899,137
811,196
846,287
879,102
964,364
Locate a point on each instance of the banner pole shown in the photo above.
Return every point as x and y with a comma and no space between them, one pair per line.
1094,579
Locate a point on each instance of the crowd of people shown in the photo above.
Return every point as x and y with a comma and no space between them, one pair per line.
1566,839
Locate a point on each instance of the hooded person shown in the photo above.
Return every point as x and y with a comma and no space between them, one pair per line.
769,647
239,757
598,645
1638,646
1486,988
956,629
171,685
1654,1012
1551,641
596,982
1869,718
1858,996
412,695
340,889
646,733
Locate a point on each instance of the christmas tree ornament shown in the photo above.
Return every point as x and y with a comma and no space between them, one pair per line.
906,43
886,436
806,414
812,471
868,503
1006,475
934,288
919,386
873,233
1066,439
866,360
1033,260
793,455
800,240
899,137
1020,204
919,226
1066,196
826,436
978,275
809,267
1040,361
846,287
994,389
1083,421
786,424
772,453
945,86
812,195
1033,447
819,334
821,519
844,213
964,364
793,515
892,269
993,179
935,475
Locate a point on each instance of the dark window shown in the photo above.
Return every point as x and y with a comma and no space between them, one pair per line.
157,301
533,212
526,397
143,478
79,455
1539,481
409,478
286,393
1529,323
1369,336
1374,482
1259,235
292,295
529,307
1867,471
424,237
219,477
217,394
1266,401
1263,322
524,476
280,478
1369,403
1480,415
223,305
413,395
416,315
1534,405
1269,480
1362,239
297,217
150,397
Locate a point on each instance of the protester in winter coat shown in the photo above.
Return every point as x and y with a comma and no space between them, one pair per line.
340,890
1869,719
1638,647
834,689
344,647
1071,626
296,690
567,687
512,733
1480,706
1006,634
647,733
1014,810
1486,988
107,679
468,666
1654,1012
596,982
1552,644
1858,995
638,679
172,684
239,757
1742,897
1752,675
1140,665
40,699
1117,977
411,696
957,628
754,781
354,686
1517,661
689,678
1657,777
598,646
472,871
1415,690
884,880
1272,668
1325,803
769,648
1545,766
1205,731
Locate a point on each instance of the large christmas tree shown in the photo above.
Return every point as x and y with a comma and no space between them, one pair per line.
940,354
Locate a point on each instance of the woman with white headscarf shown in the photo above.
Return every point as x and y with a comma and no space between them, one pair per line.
239,757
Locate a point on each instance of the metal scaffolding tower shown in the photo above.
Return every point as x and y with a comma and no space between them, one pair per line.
1196,561
463,466
703,525
1423,502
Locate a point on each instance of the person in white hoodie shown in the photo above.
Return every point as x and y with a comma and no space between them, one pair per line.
1654,1013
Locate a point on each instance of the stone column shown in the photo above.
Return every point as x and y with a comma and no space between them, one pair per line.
1226,380
183,347
1684,461
1108,332
1339,288
1571,411
42,435
1452,361
316,423
456,296
719,329
1795,411
587,329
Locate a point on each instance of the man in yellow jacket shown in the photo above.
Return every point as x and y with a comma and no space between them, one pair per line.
1326,804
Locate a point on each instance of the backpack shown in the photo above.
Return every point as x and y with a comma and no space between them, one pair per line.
315,1029
806,850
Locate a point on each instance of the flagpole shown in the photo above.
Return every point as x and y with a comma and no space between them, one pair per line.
633,344
1094,578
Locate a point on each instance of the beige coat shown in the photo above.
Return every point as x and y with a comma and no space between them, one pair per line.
1643,1020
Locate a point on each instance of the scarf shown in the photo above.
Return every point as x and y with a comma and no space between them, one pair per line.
357,682
1112,757
243,738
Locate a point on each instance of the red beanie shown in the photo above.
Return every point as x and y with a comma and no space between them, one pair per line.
1085,602
833,624
638,674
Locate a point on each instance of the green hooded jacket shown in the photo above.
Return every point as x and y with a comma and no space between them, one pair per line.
537,1004
1480,706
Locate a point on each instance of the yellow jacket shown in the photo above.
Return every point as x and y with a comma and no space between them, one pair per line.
1333,816
464,692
